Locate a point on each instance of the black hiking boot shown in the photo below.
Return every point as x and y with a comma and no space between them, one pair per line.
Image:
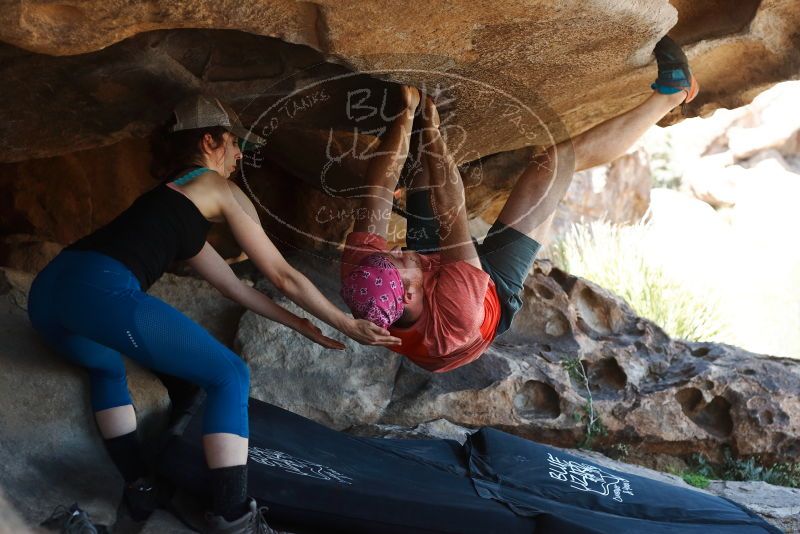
139,499
72,520
253,522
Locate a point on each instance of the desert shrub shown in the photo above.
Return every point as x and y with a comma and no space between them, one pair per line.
614,257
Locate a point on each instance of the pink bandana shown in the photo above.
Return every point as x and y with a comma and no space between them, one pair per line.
374,291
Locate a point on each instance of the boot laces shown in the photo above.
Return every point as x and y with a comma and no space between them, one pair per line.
72,520
260,525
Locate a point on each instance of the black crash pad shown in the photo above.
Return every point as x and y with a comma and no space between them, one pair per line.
316,478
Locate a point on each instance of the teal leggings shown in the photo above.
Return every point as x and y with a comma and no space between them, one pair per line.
90,308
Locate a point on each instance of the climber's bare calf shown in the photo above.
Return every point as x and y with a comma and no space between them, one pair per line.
541,186
533,200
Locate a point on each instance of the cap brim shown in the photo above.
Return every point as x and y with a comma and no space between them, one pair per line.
250,141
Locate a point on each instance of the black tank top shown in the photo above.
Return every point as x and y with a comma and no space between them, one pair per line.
160,226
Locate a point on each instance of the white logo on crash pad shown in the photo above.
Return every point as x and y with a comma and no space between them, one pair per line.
297,466
588,477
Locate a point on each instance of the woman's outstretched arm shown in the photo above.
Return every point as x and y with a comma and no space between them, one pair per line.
242,218
213,268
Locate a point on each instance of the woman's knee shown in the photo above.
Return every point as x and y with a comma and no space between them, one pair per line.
236,375
226,411
109,388
243,370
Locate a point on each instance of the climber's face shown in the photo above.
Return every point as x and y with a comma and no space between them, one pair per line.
409,264
222,157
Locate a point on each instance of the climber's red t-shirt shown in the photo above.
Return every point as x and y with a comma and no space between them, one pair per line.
460,315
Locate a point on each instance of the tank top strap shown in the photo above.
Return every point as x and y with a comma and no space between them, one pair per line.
189,176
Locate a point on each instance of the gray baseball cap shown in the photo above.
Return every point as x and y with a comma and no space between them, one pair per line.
200,111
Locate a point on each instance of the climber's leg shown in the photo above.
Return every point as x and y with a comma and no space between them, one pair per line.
543,184
514,239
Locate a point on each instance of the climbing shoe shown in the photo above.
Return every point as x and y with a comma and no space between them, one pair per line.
674,74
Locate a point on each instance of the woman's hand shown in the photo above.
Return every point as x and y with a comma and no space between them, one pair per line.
368,333
312,332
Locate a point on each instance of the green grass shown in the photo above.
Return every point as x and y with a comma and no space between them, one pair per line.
594,425
743,469
613,257
786,474
696,480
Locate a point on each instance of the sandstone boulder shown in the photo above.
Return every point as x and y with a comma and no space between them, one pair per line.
656,394
10,521
712,157
778,505
27,253
63,198
50,202
774,124
502,61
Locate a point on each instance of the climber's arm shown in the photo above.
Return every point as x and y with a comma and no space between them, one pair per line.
447,194
384,170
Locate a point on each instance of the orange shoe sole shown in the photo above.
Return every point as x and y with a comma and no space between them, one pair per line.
692,91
